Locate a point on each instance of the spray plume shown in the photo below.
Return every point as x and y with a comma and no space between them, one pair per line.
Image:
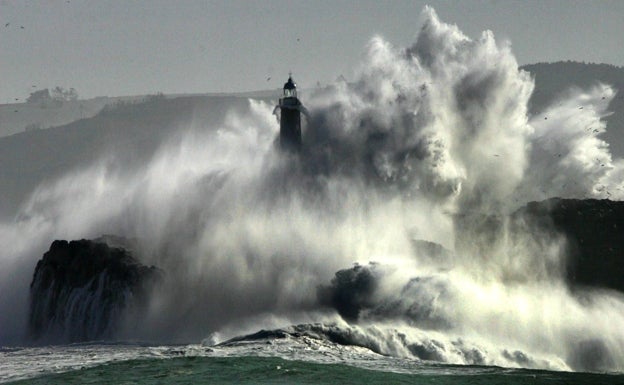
426,144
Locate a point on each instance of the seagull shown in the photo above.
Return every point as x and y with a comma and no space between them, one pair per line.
7,24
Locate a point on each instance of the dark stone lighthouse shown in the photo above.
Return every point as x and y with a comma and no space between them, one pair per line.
290,117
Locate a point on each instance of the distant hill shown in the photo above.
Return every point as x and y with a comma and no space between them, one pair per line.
130,131
133,128
29,116
552,79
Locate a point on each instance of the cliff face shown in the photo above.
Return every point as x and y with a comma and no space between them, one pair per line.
594,230
80,290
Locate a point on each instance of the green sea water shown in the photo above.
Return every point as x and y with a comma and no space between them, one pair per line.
267,370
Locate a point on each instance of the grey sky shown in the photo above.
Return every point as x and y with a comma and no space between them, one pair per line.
123,47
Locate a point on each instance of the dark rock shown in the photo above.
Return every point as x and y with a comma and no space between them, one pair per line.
350,291
594,230
260,335
592,255
80,290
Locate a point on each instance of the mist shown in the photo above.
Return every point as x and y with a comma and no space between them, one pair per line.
422,145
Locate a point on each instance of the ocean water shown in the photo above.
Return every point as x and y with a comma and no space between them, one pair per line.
262,370
255,363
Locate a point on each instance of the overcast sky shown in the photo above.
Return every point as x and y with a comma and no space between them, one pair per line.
119,47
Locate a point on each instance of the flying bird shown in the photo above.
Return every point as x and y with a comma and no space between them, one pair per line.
7,24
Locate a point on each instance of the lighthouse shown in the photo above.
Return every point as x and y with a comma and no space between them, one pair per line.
290,117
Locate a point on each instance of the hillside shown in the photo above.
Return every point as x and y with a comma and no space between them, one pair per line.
554,79
19,117
16,118
134,129
130,132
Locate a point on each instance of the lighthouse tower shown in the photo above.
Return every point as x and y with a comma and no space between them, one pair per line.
290,117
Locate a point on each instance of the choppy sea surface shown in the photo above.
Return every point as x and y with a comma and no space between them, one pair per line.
266,361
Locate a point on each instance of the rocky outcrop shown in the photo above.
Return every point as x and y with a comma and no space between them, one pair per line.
594,230
593,256
350,291
81,289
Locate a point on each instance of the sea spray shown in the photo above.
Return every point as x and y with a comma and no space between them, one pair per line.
431,144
